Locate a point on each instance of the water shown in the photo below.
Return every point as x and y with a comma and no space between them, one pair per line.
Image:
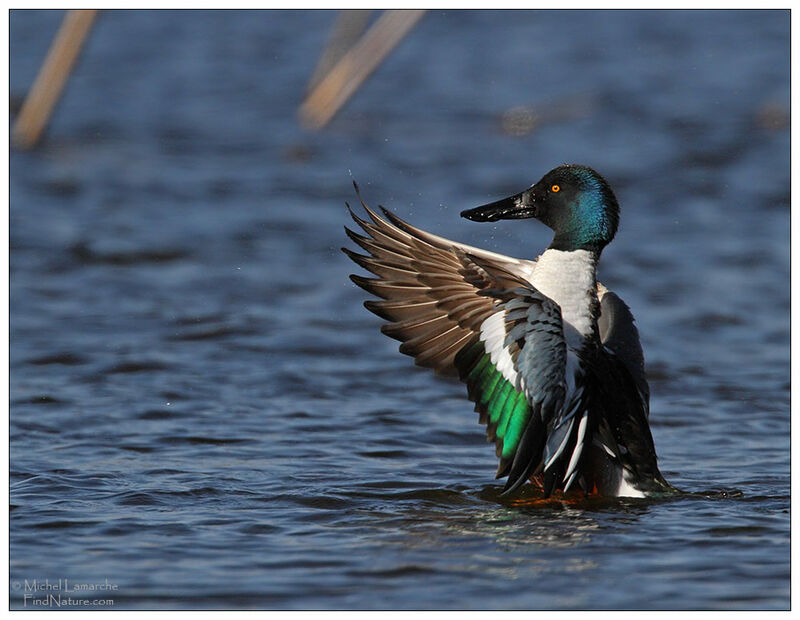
204,415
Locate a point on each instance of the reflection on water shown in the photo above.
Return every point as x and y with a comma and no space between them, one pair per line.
569,528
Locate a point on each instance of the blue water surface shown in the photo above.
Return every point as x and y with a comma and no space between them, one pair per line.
204,415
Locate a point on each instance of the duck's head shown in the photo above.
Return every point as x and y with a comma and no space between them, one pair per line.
574,201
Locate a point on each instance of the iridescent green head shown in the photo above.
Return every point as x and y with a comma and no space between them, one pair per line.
574,201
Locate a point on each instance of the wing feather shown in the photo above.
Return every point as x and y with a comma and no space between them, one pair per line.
429,287
619,334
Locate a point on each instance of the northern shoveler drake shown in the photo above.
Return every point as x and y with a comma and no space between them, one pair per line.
551,358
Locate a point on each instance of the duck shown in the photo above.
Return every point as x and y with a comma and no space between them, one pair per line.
550,357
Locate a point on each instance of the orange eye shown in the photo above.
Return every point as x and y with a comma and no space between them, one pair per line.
555,188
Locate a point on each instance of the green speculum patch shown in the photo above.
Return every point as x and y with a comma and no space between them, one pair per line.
505,407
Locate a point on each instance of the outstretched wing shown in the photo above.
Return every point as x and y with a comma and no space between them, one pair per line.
429,287
465,311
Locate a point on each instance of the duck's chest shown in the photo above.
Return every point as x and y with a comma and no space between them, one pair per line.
568,278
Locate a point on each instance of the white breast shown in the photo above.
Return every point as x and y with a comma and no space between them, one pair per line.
568,278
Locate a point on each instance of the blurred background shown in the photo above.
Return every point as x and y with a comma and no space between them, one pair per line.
203,413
